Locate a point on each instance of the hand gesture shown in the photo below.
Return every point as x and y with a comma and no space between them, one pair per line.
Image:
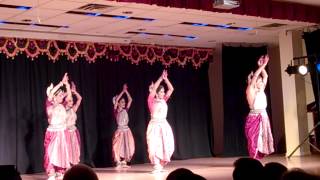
263,60
164,75
65,78
250,75
125,87
260,61
266,59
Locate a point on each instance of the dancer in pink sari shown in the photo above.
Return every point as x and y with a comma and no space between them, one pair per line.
257,127
72,133
122,141
56,158
160,138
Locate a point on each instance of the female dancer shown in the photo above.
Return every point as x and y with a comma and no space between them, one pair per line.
56,158
160,138
257,127
122,141
73,136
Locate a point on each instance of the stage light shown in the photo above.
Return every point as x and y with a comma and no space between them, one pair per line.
291,69
302,69
297,69
299,65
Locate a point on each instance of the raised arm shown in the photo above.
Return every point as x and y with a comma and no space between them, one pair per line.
78,96
262,62
169,85
249,78
153,90
125,87
68,88
264,75
117,99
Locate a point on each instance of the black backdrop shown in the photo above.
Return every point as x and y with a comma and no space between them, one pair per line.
23,121
312,41
237,63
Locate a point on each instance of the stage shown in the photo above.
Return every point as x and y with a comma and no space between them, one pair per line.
210,168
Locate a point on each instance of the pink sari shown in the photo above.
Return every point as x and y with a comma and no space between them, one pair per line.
56,157
73,138
258,134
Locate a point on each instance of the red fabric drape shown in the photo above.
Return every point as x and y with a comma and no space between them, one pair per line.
261,8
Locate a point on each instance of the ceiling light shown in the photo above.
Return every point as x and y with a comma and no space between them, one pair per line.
199,24
93,14
121,17
23,8
245,28
190,38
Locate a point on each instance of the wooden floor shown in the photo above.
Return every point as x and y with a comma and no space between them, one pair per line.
210,168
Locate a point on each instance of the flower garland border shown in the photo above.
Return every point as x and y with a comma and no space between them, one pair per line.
135,53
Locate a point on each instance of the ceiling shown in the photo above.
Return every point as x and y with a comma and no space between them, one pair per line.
114,22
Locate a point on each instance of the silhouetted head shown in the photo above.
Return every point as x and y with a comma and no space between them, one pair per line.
9,172
247,169
183,173
299,174
80,171
274,170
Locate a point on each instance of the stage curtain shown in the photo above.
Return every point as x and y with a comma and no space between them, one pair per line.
23,119
312,42
237,63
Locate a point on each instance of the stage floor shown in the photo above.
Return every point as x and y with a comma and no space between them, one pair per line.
210,168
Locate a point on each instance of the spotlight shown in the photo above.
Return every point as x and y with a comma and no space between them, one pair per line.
297,69
302,69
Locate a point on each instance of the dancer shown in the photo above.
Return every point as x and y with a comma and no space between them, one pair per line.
56,159
72,133
122,141
160,138
257,127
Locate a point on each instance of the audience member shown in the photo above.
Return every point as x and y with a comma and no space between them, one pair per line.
247,169
274,171
183,173
299,174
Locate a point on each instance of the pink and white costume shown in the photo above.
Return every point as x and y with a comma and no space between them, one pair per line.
56,156
73,137
122,141
160,138
258,130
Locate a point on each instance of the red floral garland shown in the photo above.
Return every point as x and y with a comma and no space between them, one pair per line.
91,51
